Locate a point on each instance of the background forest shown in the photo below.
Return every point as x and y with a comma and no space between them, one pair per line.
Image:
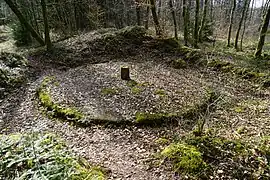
195,21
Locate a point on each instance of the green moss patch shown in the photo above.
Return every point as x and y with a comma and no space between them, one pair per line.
36,156
153,118
55,110
185,158
110,91
204,156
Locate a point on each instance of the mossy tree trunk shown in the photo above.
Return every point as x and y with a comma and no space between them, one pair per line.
24,22
263,34
231,22
174,19
46,26
196,25
205,9
240,24
155,18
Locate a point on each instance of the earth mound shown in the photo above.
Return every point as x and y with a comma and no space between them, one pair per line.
111,44
155,93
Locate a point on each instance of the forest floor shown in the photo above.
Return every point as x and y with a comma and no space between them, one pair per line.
242,112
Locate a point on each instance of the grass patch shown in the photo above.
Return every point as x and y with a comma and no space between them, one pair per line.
36,156
55,110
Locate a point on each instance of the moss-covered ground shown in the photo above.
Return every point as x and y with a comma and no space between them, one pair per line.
206,156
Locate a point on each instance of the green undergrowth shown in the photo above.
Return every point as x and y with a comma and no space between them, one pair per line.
53,109
193,112
246,73
36,156
13,69
202,157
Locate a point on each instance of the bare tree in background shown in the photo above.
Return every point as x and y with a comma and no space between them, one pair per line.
155,18
240,24
231,22
205,9
263,32
196,24
46,25
174,18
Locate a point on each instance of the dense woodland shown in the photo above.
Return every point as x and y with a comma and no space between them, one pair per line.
134,89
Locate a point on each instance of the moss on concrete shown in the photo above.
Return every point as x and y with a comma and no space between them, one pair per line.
53,109
192,112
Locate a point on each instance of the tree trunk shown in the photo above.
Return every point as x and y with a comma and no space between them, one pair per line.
231,23
23,21
205,8
35,16
258,52
159,8
138,12
155,18
186,21
240,24
174,19
146,25
196,25
244,28
46,26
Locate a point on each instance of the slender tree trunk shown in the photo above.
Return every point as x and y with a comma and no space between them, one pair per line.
258,52
146,25
240,25
155,18
159,8
231,22
186,21
196,24
205,9
23,21
252,10
211,10
138,12
244,28
35,16
174,19
46,26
